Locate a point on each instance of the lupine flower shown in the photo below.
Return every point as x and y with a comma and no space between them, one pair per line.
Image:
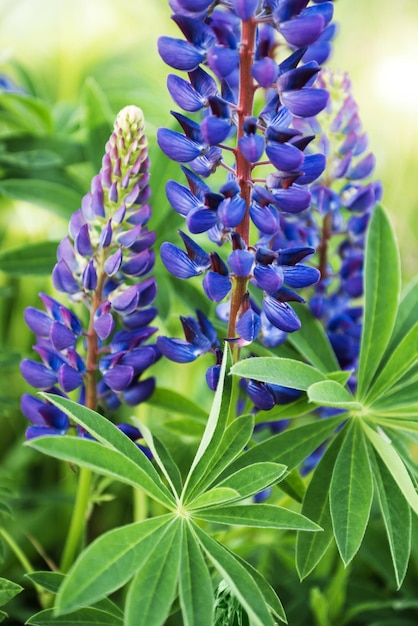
104,268
229,52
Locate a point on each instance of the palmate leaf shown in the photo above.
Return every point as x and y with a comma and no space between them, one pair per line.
238,578
153,589
109,562
195,584
214,430
279,371
164,460
84,617
381,296
310,547
396,517
351,492
215,496
395,465
102,460
249,480
109,435
257,516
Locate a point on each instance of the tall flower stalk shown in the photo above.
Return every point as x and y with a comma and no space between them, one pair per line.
99,348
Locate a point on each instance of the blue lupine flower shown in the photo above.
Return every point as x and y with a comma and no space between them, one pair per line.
104,264
231,126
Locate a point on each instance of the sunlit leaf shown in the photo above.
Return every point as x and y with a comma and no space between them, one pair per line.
381,296
83,617
278,371
248,481
331,393
195,584
53,196
258,516
31,259
351,492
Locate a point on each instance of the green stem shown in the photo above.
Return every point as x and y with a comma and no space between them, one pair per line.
140,504
78,519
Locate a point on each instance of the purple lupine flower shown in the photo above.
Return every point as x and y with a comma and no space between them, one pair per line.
221,85
104,266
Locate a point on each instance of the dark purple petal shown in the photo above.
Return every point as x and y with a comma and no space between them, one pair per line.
178,263
138,319
37,374
302,30
291,256
82,241
299,276
38,321
184,94
265,71
127,301
69,378
112,264
231,211
252,147
264,217
118,377
268,277
63,279
260,395
41,431
248,326
178,147
139,359
292,200
284,156
179,54
139,264
61,337
104,325
362,169
361,200
89,276
305,102
216,286
297,78
178,350
138,392
200,220
212,376
281,315
241,262
222,60
215,129
106,235
312,167
181,198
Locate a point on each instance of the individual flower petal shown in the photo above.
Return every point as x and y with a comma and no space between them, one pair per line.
281,315
112,264
302,30
241,262
305,102
179,54
362,169
118,377
200,220
231,211
69,378
284,156
312,167
63,278
104,325
269,278
179,263
299,276
89,276
216,286
61,337
248,326
37,374
252,147
177,146
265,71
292,200
264,217
38,321
260,395
138,392
178,350
215,129
244,8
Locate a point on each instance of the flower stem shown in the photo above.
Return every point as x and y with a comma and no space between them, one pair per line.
243,167
78,519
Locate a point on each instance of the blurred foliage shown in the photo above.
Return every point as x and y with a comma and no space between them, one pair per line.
78,63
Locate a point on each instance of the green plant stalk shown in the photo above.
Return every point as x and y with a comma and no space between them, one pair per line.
78,519
140,505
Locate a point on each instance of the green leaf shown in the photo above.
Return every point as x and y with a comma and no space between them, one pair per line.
8,590
351,492
396,517
266,589
98,120
153,589
290,447
109,562
31,259
52,196
331,393
218,495
107,433
402,359
294,485
238,578
195,584
342,376
233,442
215,427
310,547
278,371
250,480
312,341
407,315
164,459
395,465
103,460
176,403
257,516
381,296
31,159
83,617
29,113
